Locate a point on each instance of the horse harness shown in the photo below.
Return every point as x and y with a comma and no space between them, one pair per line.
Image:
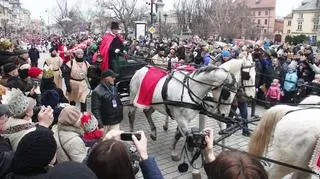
185,84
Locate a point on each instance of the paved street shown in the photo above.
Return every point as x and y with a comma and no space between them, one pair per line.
161,149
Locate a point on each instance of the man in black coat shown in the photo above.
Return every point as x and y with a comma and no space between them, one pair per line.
106,105
6,152
34,56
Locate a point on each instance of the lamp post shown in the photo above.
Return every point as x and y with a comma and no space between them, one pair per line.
160,6
48,21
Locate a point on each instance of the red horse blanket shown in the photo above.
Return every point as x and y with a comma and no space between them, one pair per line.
148,85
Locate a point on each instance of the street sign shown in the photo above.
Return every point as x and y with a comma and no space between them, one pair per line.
152,30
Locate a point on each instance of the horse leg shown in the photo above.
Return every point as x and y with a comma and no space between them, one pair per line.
148,113
131,115
165,126
301,175
174,154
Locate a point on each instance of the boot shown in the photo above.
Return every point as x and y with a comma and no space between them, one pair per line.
83,107
73,103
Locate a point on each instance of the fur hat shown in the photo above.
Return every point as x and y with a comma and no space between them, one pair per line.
9,67
70,116
88,122
18,103
50,98
34,72
34,152
115,26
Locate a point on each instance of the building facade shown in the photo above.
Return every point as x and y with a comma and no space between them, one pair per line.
263,14
13,18
304,20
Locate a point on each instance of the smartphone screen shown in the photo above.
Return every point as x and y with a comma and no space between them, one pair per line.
127,136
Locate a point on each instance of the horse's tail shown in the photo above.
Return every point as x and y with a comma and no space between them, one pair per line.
261,137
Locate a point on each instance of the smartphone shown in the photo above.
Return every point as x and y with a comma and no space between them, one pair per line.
127,136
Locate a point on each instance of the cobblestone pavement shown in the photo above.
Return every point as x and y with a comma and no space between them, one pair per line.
161,149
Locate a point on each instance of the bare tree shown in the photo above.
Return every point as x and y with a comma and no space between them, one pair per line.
122,11
70,20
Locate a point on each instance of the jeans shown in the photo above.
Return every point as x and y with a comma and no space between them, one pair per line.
243,108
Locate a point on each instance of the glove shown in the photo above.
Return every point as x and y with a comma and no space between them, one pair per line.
117,50
125,52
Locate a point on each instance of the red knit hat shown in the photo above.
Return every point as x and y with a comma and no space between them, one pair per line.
34,72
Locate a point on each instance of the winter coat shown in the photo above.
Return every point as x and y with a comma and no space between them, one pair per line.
17,82
102,106
70,146
6,155
16,129
34,54
150,169
29,176
5,57
274,92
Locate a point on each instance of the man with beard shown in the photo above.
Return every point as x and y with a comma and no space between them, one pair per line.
54,63
75,74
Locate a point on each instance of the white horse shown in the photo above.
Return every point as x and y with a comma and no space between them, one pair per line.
183,88
296,130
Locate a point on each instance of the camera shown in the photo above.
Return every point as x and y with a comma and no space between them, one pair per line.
195,139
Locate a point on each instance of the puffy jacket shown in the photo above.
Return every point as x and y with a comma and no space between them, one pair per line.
6,155
274,92
5,57
70,146
290,82
102,106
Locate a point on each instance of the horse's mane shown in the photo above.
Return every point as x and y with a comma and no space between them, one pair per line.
206,69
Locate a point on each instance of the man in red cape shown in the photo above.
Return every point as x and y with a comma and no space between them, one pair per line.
111,45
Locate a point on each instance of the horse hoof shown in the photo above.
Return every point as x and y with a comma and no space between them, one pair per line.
165,128
175,157
153,137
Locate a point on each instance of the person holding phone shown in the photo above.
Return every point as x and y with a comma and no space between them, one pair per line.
109,159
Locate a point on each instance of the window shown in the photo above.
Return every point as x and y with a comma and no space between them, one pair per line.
300,15
300,26
264,30
266,21
259,13
288,31
266,13
289,23
253,13
258,21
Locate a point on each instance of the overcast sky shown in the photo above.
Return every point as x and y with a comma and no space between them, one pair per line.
38,7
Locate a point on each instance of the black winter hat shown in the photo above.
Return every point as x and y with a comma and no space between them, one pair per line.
35,151
50,98
9,67
23,73
71,170
114,26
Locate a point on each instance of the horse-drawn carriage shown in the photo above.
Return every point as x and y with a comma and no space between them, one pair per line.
126,68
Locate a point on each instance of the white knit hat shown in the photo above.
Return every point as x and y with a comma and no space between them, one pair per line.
18,103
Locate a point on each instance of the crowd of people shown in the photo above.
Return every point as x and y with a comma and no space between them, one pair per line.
45,135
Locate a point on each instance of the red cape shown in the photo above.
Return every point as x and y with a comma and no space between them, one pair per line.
61,51
104,49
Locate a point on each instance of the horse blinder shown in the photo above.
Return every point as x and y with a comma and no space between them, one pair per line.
245,75
225,93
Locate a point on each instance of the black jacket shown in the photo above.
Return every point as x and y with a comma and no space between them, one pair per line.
34,54
6,155
5,57
102,105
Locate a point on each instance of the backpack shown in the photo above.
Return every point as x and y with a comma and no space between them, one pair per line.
290,82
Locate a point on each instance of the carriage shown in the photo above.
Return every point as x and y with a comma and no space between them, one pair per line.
126,68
